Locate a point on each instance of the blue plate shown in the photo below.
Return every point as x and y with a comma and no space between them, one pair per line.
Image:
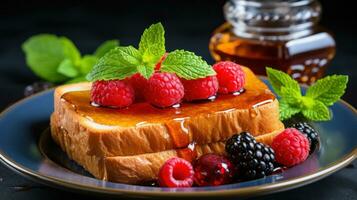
27,148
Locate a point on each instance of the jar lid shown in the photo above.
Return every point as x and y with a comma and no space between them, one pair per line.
272,15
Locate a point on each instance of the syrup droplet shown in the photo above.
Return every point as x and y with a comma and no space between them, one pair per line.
178,132
253,112
238,92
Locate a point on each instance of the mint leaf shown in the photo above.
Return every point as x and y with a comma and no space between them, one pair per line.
290,95
67,68
280,79
329,89
152,44
118,63
152,56
106,47
87,63
286,111
44,53
70,50
146,72
318,112
186,65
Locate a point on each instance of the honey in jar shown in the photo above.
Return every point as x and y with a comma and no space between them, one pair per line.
279,34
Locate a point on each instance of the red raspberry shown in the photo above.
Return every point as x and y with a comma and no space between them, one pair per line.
176,172
291,147
158,65
139,83
164,89
202,88
113,93
230,76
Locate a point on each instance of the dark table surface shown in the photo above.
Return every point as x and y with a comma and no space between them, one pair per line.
188,26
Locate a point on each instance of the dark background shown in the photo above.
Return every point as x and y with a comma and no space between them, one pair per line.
188,25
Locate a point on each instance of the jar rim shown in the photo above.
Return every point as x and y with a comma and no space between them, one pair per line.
255,3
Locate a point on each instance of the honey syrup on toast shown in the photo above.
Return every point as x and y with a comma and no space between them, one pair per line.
180,121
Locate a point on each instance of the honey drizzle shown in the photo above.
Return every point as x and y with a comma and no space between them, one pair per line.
177,120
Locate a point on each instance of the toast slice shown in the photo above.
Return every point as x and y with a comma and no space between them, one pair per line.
132,169
130,145
146,131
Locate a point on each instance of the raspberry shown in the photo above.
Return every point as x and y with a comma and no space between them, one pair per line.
309,132
211,169
291,147
164,90
158,65
139,83
230,76
176,172
199,89
113,93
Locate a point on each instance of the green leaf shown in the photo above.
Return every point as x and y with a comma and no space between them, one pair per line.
290,95
118,63
70,50
146,72
106,47
329,89
44,53
87,63
68,69
279,79
152,44
318,112
286,110
186,65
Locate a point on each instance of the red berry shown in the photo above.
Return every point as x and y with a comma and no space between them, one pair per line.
291,147
158,65
176,172
113,93
139,83
212,169
202,88
164,89
230,76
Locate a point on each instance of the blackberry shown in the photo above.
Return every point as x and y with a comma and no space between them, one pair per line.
36,87
309,132
252,159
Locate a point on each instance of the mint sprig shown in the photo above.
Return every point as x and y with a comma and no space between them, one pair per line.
314,105
123,62
57,59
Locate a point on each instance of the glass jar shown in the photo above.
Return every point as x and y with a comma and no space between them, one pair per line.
275,33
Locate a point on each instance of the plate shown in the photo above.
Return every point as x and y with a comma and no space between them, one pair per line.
27,148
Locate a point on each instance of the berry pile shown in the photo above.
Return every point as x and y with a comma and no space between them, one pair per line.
164,89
